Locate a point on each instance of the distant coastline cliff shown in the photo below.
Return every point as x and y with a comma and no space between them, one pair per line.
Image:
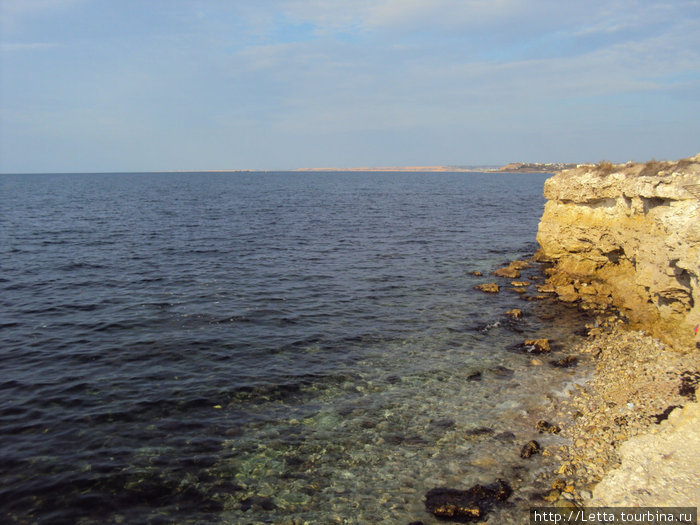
628,235
535,167
513,167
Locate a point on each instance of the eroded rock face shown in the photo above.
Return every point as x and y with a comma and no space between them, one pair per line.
628,236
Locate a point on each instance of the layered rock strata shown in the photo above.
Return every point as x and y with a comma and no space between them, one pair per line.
628,236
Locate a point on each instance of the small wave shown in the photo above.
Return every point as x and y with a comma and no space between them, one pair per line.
489,326
71,267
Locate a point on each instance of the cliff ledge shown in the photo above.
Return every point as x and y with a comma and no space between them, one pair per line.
628,236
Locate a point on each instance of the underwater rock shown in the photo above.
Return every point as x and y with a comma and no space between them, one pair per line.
441,424
505,436
529,449
567,362
476,273
476,376
502,371
394,439
258,502
466,505
479,431
546,426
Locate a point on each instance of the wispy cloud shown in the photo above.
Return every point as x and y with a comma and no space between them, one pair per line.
10,47
362,80
14,12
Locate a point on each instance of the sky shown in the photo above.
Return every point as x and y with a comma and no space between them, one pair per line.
153,85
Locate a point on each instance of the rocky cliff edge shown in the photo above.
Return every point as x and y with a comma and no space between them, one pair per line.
628,236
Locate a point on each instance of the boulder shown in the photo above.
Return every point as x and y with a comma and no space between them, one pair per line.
545,426
510,273
537,346
488,287
515,313
530,449
466,505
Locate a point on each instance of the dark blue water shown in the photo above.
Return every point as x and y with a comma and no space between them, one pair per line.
256,347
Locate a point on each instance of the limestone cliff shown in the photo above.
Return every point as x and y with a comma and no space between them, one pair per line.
629,236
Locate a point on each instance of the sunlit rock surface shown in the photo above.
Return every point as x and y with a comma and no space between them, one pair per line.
628,235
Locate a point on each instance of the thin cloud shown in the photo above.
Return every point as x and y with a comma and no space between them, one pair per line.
12,47
14,12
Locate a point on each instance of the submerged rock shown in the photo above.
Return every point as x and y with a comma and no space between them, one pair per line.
505,436
479,431
545,426
466,505
566,362
502,371
530,449
257,503
476,376
441,424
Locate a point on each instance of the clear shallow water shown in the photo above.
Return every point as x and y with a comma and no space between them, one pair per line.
262,347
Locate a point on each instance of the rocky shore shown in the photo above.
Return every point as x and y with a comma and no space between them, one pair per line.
639,385
623,241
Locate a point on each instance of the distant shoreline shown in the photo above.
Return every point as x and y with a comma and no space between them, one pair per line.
516,167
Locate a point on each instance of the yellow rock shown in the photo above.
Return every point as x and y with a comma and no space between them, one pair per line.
515,313
538,345
508,271
552,495
628,236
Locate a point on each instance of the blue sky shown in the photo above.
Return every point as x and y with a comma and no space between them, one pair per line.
104,85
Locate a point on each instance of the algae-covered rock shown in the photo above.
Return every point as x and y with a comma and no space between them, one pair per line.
530,449
466,505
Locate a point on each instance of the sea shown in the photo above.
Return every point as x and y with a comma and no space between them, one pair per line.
269,347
